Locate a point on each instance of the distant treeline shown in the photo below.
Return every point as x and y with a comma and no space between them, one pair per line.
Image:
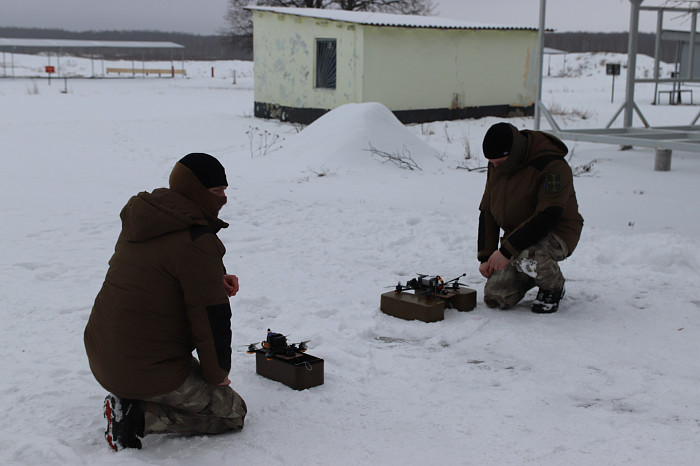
226,48
616,42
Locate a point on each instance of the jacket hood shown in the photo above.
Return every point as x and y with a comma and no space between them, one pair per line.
149,215
184,181
544,144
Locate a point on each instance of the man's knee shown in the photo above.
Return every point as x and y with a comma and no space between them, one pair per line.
502,300
505,289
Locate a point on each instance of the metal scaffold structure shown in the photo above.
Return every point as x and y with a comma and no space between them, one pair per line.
663,138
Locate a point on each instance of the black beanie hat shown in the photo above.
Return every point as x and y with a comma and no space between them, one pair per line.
498,140
206,168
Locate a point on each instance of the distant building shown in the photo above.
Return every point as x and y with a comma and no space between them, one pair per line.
309,61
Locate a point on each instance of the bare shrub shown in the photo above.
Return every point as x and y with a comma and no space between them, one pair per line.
401,159
584,170
261,142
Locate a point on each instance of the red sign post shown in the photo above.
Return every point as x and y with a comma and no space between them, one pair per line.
50,69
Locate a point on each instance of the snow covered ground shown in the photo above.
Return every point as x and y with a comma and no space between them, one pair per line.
320,227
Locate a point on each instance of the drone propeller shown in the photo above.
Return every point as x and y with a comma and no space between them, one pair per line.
252,348
303,345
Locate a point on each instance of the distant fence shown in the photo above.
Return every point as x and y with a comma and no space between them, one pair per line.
145,71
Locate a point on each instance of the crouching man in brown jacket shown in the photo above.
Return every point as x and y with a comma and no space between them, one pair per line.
529,195
166,293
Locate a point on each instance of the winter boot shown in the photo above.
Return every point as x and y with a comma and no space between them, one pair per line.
547,301
125,423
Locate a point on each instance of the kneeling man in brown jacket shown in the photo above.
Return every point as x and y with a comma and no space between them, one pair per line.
530,196
166,294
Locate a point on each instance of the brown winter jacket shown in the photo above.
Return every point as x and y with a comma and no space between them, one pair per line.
529,197
162,298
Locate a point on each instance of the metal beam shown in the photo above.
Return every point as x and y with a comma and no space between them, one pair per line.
683,138
540,63
631,62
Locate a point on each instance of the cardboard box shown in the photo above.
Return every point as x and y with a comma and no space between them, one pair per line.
299,372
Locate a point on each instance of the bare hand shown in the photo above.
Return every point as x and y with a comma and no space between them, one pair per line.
498,261
225,382
486,269
231,285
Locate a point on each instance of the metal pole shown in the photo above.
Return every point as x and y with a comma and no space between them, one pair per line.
691,50
612,94
564,69
657,50
631,62
540,63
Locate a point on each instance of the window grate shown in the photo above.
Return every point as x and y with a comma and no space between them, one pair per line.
325,63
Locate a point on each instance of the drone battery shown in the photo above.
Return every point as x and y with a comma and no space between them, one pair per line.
412,307
298,372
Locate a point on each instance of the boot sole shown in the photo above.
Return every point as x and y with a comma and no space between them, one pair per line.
109,415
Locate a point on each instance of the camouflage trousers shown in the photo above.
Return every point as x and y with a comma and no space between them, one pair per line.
196,407
535,266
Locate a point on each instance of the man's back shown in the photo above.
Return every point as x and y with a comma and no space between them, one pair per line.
139,337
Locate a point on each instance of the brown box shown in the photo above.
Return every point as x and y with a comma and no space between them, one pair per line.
299,372
464,299
410,306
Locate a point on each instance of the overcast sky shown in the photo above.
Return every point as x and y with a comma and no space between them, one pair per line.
206,16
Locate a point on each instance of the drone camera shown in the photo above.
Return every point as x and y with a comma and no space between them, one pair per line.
276,340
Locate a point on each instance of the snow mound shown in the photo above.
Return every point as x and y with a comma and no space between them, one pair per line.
350,136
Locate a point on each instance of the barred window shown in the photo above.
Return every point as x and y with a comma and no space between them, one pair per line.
325,63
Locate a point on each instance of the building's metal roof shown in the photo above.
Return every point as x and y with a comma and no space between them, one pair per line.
386,19
70,43
551,51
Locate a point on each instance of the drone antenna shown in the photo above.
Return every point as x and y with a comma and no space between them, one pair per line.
455,279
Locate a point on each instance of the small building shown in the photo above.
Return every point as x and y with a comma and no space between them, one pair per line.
309,61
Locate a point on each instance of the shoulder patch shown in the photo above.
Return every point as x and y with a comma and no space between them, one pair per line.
199,230
552,182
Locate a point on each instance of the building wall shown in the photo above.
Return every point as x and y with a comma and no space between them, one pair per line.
410,69
420,74
284,50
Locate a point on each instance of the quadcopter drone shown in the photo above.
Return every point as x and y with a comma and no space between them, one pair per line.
430,285
276,344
